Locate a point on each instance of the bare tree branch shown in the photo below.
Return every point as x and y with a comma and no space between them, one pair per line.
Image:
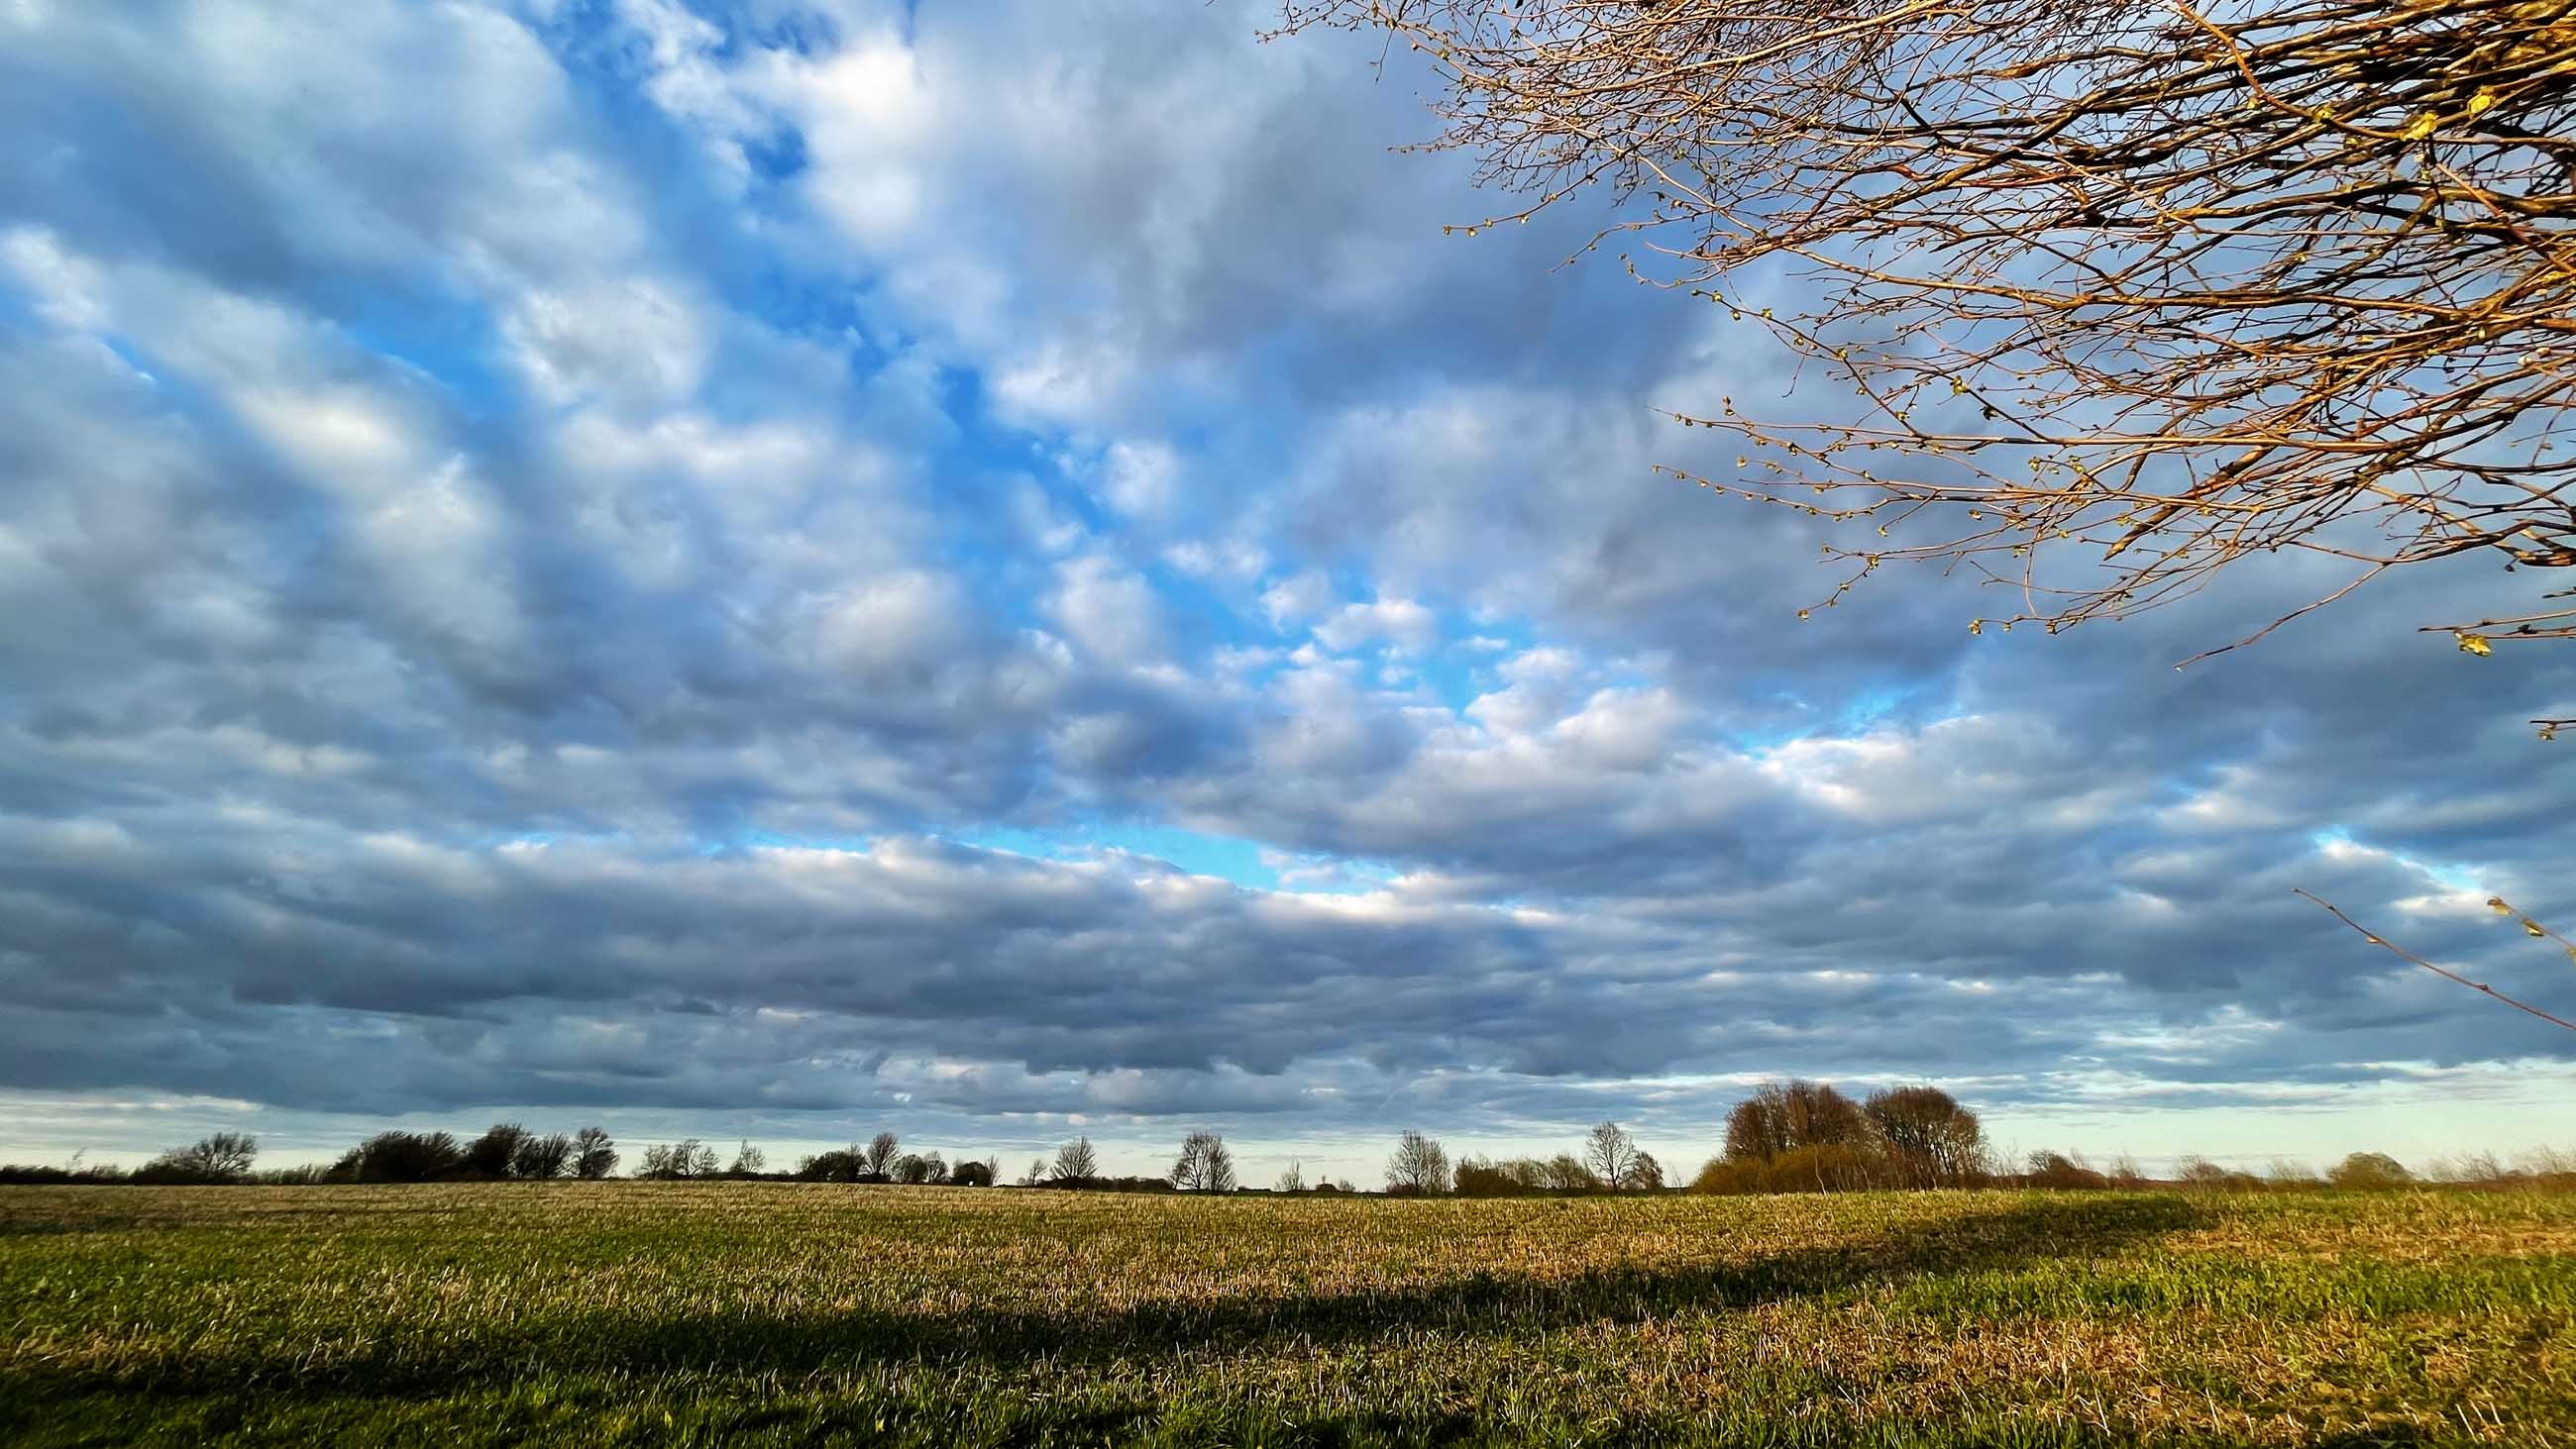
2405,955
2164,286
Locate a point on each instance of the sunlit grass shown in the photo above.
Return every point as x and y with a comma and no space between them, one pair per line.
748,1312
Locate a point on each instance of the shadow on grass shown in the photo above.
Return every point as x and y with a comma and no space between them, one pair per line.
1483,1304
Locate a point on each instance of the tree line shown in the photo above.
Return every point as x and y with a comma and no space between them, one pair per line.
1790,1135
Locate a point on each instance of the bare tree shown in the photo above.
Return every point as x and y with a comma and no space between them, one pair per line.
1564,1172
1294,1179
1419,1166
1611,1154
682,1159
216,1157
594,1154
540,1158
2496,904
917,1169
1204,1165
401,1157
2160,286
880,1155
1930,1139
491,1154
1076,1164
1784,1116
748,1161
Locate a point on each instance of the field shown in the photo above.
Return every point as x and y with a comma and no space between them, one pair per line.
786,1313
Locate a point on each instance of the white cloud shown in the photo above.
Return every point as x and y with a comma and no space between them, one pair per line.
628,341
1108,611
1141,479
1401,624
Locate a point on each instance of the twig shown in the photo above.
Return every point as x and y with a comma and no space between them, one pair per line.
2405,955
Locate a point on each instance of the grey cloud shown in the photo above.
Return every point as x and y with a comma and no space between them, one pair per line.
383,735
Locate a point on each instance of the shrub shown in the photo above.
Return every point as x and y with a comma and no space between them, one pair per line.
1818,1167
2286,1174
2370,1170
2208,1176
2059,1170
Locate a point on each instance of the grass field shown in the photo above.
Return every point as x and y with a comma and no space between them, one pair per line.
783,1313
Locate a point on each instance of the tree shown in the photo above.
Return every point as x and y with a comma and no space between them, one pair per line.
2161,288
1930,1139
1564,1172
1294,1179
918,1169
1420,1166
685,1158
1076,1164
540,1158
594,1154
1204,1164
217,1157
1036,1173
1784,1116
220,1155
400,1157
1611,1154
490,1154
2370,1170
837,1165
971,1173
880,1155
1645,1174
748,1161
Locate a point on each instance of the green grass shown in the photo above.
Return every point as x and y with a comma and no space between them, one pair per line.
653,1313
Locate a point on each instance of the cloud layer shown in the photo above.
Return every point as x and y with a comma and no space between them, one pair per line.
810,564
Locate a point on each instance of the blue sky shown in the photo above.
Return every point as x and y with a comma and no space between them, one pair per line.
783,569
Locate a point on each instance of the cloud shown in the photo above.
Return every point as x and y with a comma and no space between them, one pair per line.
1401,624
512,600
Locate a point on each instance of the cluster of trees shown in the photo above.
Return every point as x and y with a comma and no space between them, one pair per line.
1077,1166
1789,1136
1204,1164
1801,1136
2360,1171
882,1159
505,1152
1610,1161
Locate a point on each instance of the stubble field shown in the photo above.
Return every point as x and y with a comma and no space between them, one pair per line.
789,1314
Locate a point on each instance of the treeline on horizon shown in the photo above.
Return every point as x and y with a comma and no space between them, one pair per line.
1788,1136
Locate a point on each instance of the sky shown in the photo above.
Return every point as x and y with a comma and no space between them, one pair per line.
779,570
